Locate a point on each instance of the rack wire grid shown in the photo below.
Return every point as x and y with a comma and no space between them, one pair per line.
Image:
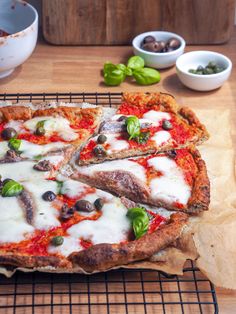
119,291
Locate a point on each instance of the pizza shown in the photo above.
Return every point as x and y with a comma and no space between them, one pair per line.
144,124
65,214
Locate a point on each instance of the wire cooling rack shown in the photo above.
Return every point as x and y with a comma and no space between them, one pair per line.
115,292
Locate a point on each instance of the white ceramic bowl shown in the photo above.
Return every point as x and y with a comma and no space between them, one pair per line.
158,60
20,20
192,60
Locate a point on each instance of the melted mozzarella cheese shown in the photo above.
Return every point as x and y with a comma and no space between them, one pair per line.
111,227
171,186
13,227
123,165
31,150
161,137
45,215
15,124
3,148
21,171
68,246
51,124
156,116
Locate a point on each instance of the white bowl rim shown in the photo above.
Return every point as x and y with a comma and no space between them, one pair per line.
25,29
182,45
228,68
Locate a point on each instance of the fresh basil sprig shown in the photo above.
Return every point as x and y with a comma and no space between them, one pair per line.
115,74
11,188
139,219
133,126
14,144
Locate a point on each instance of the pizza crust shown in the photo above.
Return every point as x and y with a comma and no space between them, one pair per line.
101,257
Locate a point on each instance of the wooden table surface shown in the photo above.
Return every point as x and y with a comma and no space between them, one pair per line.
78,69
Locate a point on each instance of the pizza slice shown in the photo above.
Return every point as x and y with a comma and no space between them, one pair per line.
143,124
65,225
176,179
48,136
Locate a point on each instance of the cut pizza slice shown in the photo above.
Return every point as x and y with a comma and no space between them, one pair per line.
143,124
65,225
175,180
48,136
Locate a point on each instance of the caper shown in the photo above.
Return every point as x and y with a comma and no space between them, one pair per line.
99,151
192,71
40,131
99,203
167,125
8,133
212,64
200,68
84,206
58,240
173,43
49,196
148,39
101,139
218,69
208,71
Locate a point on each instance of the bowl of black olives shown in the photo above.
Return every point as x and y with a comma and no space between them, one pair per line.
159,49
203,70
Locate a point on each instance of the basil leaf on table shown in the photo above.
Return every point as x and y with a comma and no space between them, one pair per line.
14,144
135,63
11,188
139,219
114,74
146,76
133,126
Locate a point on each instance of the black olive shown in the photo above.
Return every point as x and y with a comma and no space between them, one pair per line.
171,153
148,39
58,240
8,133
101,139
167,125
99,151
173,43
66,212
40,131
49,196
99,203
84,206
43,165
153,46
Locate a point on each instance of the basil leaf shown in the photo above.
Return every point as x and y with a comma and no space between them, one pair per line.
139,219
146,76
59,186
133,126
143,137
129,71
121,67
114,75
11,188
14,144
135,63
108,67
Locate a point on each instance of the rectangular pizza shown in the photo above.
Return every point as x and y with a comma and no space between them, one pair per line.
86,189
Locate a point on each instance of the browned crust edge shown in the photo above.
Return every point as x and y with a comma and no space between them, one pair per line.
102,257
15,113
105,256
136,191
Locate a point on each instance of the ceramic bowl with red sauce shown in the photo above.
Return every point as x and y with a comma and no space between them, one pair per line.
18,34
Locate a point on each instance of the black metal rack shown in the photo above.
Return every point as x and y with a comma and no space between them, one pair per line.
119,291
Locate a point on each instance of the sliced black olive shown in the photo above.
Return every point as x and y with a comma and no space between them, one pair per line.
148,39
99,203
101,139
58,240
167,125
121,118
40,131
99,151
84,206
171,153
66,212
43,165
49,196
8,133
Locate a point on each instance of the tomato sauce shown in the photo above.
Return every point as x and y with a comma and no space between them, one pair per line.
155,222
87,151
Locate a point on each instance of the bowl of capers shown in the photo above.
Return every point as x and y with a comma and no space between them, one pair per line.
203,70
159,49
